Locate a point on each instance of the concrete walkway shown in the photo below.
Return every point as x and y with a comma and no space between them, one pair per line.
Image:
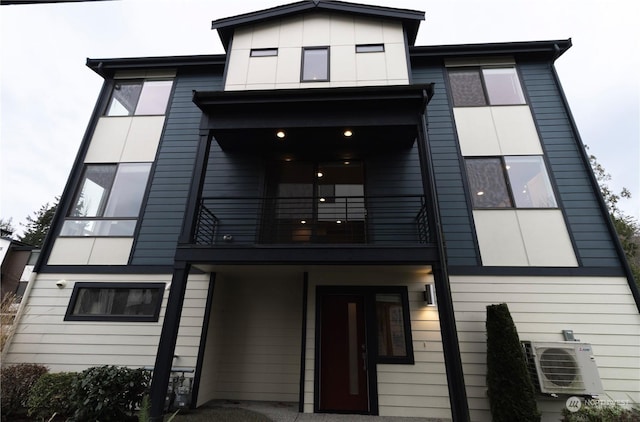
288,412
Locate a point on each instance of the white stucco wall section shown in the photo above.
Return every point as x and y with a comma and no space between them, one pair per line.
491,131
125,139
525,237
42,336
253,343
600,311
339,32
91,251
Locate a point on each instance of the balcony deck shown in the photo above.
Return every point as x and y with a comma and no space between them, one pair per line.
371,229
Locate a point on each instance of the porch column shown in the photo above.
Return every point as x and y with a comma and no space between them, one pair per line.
168,337
448,330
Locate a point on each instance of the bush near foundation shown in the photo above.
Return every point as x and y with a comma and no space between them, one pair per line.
16,382
611,413
52,394
109,393
511,392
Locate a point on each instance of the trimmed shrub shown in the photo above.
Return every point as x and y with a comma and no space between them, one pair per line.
610,413
51,394
511,392
16,382
109,393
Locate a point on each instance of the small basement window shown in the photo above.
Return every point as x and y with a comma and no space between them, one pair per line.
127,302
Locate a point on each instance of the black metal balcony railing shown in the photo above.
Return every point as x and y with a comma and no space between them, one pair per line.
380,220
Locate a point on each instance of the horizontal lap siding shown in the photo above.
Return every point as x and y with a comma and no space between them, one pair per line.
456,221
586,220
42,336
163,213
253,344
599,310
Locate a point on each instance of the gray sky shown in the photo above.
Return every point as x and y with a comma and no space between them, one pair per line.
47,93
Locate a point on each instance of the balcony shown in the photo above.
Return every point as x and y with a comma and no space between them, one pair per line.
371,230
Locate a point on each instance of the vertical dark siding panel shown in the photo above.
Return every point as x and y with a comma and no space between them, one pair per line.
587,222
455,215
163,213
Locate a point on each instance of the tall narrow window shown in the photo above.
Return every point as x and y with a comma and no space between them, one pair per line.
139,98
486,86
315,64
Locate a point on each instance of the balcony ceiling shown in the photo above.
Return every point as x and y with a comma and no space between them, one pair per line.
315,119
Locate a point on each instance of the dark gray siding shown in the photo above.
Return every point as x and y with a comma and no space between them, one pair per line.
394,173
456,220
164,211
587,222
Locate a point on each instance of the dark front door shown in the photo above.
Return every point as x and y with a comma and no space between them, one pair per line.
343,355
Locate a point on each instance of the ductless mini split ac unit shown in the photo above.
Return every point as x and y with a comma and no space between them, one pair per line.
563,368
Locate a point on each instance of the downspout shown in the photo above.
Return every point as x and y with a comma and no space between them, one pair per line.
448,331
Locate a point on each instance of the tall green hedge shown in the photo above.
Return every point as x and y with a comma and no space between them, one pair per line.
511,392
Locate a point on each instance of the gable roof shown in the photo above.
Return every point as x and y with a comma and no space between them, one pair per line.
410,18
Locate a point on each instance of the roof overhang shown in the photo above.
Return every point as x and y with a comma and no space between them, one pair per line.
315,118
548,50
108,67
410,18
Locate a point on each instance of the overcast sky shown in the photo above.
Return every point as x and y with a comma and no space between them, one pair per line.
47,93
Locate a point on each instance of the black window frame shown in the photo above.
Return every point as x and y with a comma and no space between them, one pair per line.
70,316
508,183
78,192
141,82
263,52
302,66
485,91
369,48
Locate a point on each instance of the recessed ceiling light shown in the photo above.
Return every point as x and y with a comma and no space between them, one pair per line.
280,134
346,163
347,133
320,174
480,193
339,221
303,222
322,199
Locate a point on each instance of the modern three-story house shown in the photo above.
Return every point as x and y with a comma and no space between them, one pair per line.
321,216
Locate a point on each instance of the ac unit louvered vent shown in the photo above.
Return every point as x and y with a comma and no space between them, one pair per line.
563,367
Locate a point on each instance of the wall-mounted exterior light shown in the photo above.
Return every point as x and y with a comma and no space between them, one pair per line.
429,295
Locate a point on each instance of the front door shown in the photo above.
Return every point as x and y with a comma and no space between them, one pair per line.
343,384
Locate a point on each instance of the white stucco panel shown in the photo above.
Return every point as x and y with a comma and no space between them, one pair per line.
108,140
110,251
516,131
340,32
71,251
546,238
143,139
476,132
499,238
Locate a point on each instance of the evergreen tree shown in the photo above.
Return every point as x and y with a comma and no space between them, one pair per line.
626,226
511,392
6,227
38,225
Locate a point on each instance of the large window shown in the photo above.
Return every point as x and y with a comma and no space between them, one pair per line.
509,182
108,200
486,86
139,98
393,328
115,302
315,64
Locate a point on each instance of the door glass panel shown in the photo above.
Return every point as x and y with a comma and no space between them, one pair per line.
353,348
